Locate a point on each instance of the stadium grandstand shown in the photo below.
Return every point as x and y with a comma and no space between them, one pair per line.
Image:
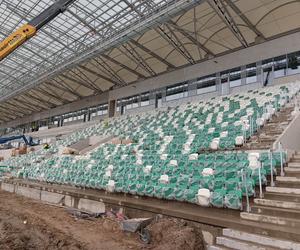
156,124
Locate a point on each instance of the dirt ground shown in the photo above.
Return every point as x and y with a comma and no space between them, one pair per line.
29,225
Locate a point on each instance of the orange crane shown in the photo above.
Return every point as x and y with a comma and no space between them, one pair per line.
30,29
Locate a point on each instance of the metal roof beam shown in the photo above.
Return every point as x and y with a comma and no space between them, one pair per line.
40,101
16,108
137,58
82,75
98,75
62,88
123,66
30,106
220,8
88,86
233,6
173,40
10,112
191,38
50,95
153,54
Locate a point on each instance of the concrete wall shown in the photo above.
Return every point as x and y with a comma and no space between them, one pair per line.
83,204
290,138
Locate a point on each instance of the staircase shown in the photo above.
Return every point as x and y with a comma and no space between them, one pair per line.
239,240
278,209
265,138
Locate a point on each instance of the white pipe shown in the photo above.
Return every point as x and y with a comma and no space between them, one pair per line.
271,165
244,180
260,184
281,160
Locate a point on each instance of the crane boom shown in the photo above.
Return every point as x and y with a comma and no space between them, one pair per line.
27,31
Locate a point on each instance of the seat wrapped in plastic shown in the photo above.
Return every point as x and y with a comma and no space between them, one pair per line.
233,199
233,183
219,182
180,194
217,197
248,185
207,182
255,176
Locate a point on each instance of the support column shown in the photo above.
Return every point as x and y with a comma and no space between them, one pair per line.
243,75
192,88
218,83
112,108
226,86
260,73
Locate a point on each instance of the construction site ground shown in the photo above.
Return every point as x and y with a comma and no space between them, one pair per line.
29,224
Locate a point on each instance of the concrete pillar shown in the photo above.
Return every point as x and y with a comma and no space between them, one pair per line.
226,87
164,94
152,97
112,108
243,75
259,72
192,88
218,83
61,121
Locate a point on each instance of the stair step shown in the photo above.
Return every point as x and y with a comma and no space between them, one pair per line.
239,245
280,221
294,165
286,184
292,172
282,197
278,203
276,212
288,179
296,156
283,190
260,239
216,248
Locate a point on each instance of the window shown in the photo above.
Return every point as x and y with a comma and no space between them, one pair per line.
177,91
293,63
235,77
251,76
206,84
145,99
280,64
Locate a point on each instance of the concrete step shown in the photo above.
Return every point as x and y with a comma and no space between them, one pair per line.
288,179
287,182
278,204
292,172
296,156
287,222
217,248
260,239
276,212
283,190
294,165
282,197
239,245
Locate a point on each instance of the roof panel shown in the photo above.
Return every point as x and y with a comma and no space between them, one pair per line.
81,26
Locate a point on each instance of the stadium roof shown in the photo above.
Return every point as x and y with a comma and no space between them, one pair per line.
97,45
